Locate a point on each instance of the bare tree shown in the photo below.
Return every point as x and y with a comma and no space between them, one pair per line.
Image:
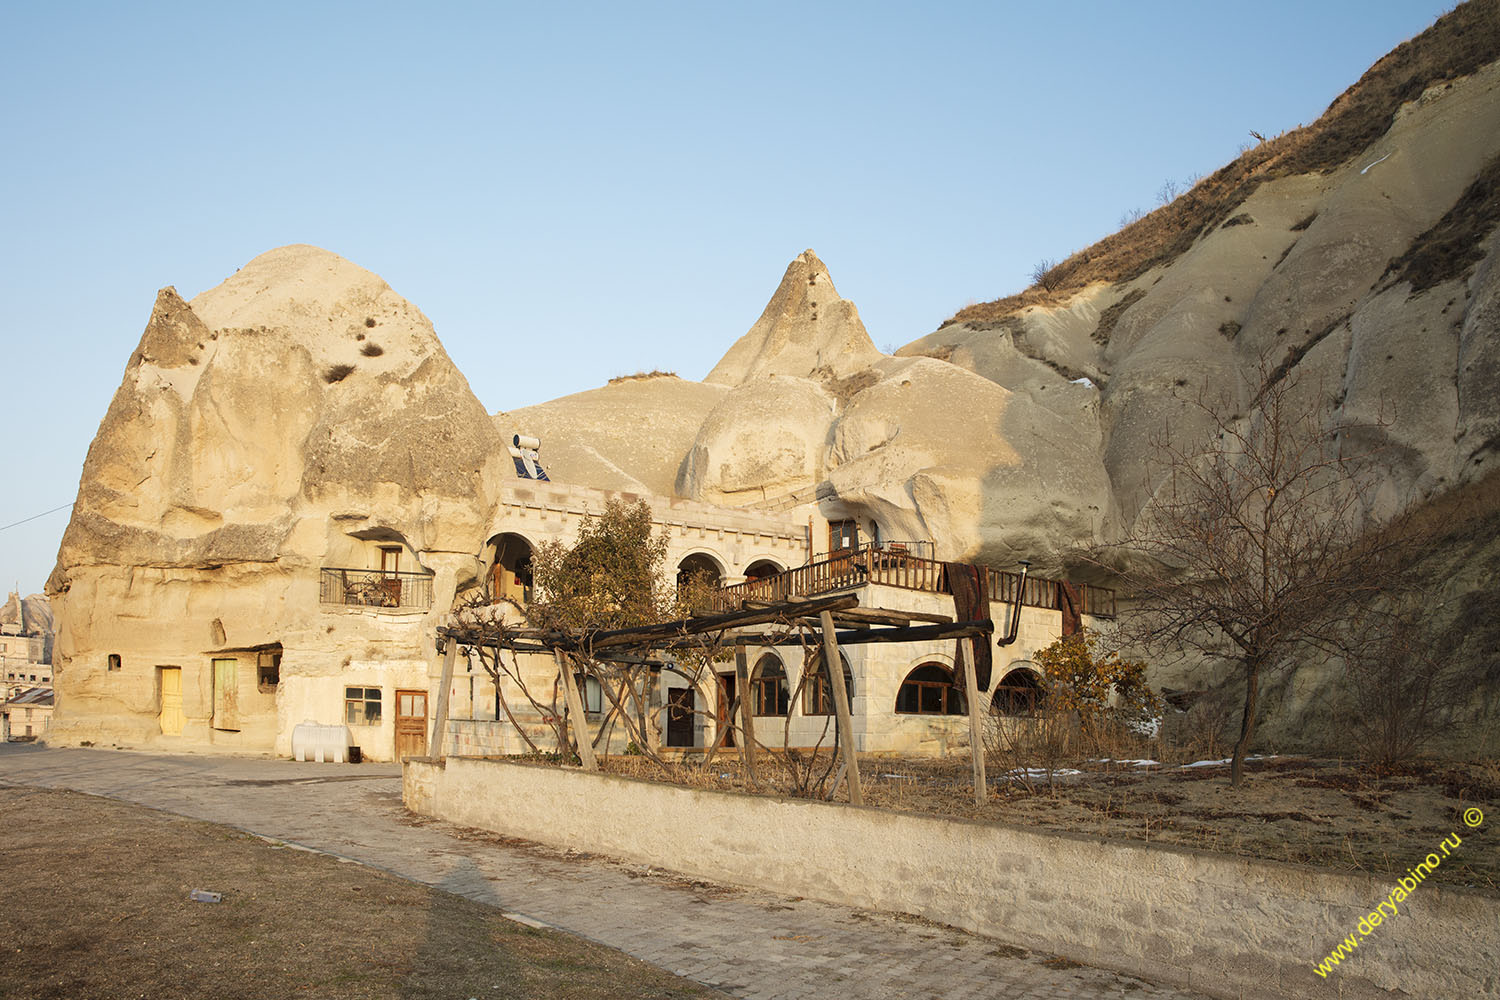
1259,544
1168,192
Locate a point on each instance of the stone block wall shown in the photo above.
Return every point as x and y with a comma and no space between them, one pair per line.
1223,925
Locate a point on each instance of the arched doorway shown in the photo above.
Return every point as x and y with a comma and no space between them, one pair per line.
699,565
762,569
510,569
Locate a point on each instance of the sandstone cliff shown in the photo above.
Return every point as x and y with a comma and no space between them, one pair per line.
286,420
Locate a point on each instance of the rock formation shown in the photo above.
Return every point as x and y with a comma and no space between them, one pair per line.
291,418
805,329
303,410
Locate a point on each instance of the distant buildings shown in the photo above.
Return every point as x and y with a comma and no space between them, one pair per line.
25,667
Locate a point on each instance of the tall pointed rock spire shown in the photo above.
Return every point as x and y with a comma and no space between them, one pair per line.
806,330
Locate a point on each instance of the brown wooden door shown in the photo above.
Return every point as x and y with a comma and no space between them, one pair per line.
680,705
726,699
411,724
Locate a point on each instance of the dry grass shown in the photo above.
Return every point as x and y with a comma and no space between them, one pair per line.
106,914
1459,43
642,376
1451,248
1300,810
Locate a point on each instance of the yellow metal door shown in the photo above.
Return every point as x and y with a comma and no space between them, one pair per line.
171,700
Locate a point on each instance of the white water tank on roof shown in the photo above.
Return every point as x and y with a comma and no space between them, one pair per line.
321,743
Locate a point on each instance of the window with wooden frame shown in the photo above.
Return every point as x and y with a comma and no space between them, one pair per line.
362,706
768,692
817,691
267,671
929,690
1019,693
591,693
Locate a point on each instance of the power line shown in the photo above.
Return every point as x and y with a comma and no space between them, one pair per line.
33,517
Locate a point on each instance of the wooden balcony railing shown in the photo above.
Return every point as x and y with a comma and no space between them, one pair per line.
375,588
891,567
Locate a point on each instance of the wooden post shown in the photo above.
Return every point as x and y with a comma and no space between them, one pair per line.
435,747
976,735
576,716
747,711
835,667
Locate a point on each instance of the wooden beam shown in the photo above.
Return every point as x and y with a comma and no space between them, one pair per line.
576,717
440,721
645,634
976,735
885,616
835,668
914,633
747,712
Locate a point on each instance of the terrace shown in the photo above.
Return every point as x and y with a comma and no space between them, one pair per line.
895,564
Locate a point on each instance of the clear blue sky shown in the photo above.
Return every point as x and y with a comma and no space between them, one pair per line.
574,191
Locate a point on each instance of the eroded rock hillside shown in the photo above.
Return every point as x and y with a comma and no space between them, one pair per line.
1356,255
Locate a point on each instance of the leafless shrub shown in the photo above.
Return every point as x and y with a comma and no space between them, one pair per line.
1044,273
1402,695
337,373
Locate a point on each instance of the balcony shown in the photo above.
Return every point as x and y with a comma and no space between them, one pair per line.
373,588
892,565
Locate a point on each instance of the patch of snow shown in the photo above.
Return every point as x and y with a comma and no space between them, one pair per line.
1366,170
1032,773
1084,381
1145,727
1226,760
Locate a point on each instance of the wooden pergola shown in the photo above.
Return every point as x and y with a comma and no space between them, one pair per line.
838,617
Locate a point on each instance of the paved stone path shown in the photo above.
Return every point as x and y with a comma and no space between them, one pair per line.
744,942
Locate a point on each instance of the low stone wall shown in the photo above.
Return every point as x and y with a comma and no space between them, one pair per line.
1226,926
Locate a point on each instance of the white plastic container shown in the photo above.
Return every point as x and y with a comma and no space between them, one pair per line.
321,743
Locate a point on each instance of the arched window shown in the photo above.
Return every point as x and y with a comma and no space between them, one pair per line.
1019,692
929,690
768,693
510,573
817,690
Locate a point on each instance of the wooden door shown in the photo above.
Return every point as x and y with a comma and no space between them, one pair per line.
227,694
411,724
726,699
171,700
681,703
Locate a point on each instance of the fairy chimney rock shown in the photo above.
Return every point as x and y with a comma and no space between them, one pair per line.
806,330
